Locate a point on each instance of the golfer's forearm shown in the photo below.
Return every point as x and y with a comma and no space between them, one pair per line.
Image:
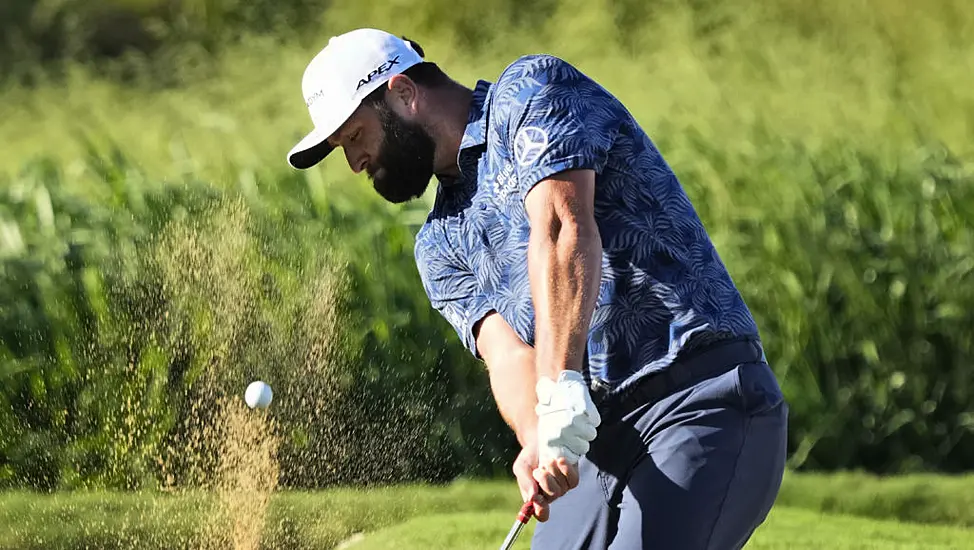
564,266
512,380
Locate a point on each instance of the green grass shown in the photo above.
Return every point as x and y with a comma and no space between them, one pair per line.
471,530
922,498
786,528
790,529
294,520
464,514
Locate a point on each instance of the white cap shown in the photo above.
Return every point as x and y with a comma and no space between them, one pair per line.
336,81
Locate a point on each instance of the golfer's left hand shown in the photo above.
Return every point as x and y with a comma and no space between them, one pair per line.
567,422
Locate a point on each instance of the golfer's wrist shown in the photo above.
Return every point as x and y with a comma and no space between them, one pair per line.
527,430
553,369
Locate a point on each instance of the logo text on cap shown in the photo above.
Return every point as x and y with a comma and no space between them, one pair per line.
314,97
377,71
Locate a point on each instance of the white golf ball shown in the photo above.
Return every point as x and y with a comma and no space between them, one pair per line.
258,395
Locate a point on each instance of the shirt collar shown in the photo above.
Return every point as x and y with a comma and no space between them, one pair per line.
476,132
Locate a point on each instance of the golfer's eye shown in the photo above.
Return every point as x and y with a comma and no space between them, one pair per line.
355,135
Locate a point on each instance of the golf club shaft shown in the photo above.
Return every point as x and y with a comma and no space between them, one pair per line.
522,519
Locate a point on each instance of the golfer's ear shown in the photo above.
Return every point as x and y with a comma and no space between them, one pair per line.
402,91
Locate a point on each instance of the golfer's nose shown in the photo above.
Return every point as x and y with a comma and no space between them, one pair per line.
356,160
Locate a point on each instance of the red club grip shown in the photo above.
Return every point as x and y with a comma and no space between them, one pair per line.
526,512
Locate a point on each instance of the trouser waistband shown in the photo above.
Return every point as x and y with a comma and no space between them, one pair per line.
697,365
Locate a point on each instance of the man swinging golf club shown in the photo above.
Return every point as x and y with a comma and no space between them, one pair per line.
563,250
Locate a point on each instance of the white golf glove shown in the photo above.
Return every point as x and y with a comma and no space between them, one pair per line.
567,417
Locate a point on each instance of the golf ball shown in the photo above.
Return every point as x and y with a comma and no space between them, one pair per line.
258,395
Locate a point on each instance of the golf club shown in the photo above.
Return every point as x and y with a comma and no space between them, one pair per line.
522,519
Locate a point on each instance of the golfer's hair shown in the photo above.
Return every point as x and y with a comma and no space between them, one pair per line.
427,74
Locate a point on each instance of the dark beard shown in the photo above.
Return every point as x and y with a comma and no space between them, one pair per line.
405,157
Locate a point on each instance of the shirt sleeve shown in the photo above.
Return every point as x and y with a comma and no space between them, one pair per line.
557,119
452,290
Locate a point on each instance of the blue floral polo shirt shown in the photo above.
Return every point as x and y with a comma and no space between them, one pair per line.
663,285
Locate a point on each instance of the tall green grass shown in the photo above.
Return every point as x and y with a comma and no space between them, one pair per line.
129,312
827,148
888,76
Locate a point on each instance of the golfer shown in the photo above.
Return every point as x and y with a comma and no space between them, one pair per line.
563,250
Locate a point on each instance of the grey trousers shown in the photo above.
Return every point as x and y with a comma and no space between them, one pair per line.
698,466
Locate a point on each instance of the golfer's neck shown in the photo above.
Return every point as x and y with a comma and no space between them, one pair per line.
447,126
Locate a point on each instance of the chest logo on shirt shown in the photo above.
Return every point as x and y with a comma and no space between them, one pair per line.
529,144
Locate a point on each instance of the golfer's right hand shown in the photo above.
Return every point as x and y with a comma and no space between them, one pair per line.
524,466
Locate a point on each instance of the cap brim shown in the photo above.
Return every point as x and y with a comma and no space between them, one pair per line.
310,151
314,147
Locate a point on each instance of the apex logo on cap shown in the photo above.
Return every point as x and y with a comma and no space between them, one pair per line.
377,71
